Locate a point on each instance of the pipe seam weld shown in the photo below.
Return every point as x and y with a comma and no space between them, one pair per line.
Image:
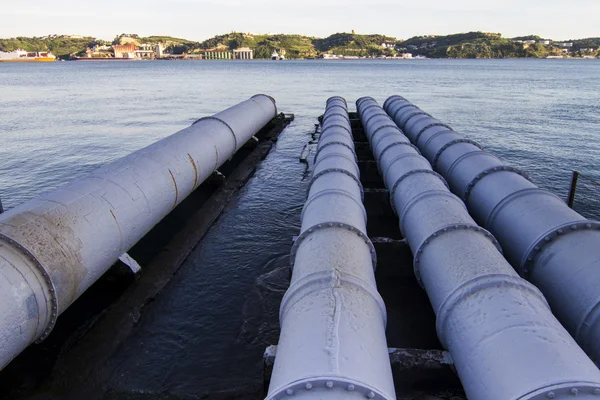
378,114
401,108
340,155
563,391
475,285
363,99
421,196
390,100
397,158
340,170
367,107
488,171
224,123
330,192
389,146
332,383
411,116
418,135
406,175
489,220
426,144
346,145
527,262
329,107
336,125
47,279
270,98
451,143
332,98
395,132
447,229
331,114
467,155
332,225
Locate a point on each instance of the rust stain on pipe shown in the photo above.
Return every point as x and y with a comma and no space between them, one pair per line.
176,190
195,170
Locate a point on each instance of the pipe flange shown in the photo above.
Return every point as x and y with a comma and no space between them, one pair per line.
406,175
450,143
426,144
363,109
378,114
327,384
47,280
389,146
270,98
329,107
330,225
346,145
393,126
487,172
339,192
440,232
474,285
227,125
489,220
343,171
336,97
363,99
418,135
338,126
391,100
414,114
394,160
527,262
325,117
565,391
401,108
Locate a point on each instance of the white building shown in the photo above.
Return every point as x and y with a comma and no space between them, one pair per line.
243,53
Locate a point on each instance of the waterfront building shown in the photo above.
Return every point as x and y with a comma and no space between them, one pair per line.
124,51
215,54
146,52
243,53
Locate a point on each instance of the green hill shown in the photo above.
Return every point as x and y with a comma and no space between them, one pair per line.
60,46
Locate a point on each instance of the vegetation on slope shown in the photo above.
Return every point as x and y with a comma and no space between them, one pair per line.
60,46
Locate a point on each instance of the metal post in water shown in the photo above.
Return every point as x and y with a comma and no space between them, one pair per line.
573,189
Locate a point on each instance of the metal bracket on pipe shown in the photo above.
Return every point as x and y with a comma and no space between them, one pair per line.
47,280
329,225
452,142
131,263
343,171
486,172
251,143
549,237
418,135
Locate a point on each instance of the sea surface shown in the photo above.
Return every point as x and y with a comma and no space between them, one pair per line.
206,331
61,120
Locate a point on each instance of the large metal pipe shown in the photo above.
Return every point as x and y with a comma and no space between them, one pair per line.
504,340
55,246
332,343
548,243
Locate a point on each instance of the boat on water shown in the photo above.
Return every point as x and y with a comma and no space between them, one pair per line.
26,56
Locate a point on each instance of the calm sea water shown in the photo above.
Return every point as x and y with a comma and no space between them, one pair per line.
60,120
206,331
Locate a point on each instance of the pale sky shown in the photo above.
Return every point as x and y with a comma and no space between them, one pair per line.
202,19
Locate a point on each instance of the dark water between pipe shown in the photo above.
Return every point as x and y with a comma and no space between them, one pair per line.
207,329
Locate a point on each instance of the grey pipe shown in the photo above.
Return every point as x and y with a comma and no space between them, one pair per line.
504,340
548,243
57,245
332,343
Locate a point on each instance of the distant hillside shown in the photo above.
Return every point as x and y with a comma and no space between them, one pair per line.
477,45
461,45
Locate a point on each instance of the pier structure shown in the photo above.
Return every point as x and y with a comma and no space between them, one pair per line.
243,53
217,54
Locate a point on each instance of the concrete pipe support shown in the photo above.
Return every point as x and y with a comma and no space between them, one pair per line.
504,340
55,246
548,243
332,343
